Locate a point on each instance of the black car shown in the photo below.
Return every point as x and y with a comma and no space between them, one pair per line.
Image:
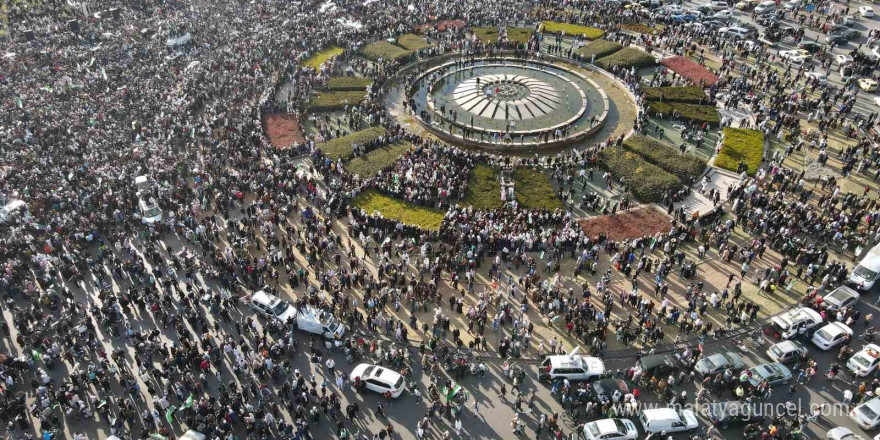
810,47
733,413
839,40
607,387
657,365
768,21
714,24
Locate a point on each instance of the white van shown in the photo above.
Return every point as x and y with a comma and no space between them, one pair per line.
150,211
271,306
865,274
787,324
319,322
141,185
668,419
765,6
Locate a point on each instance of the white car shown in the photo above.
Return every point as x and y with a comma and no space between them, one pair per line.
734,32
610,429
792,4
841,433
379,379
867,415
877,101
571,366
843,59
270,306
833,334
866,11
840,297
725,14
765,6
819,77
865,361
672,9
668,419
717,5
786,325
786,351
150,211
797,56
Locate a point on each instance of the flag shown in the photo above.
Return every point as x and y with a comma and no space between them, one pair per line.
104,73
189,402
169,415
20,105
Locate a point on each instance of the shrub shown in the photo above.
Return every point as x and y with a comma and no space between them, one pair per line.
484,189
399,210
384,50
626,58
741,145
335,100
520,35
691,112
691,70
682,166
555,27
322,56
600,48
533,190
377,160
412,42
646,181
690,95
640,28
348,83
340,147
486,35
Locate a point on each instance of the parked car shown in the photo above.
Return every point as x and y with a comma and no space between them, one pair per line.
718,5
792,5
571,366
658,365
867,415
723,15
831,335
765,6
866,11
797,56
608,386
668,420
734,32
718,363
611,429
786,352
714,24
746,5
842,296
774,373
788,324
841,433
379,379
836,40
868,85
865,361
810,47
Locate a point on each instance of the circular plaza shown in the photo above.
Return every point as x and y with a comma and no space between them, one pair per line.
508,103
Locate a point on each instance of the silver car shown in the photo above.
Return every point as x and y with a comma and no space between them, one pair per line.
718,362
773,372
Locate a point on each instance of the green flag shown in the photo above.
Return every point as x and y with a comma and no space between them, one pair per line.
169,415
189,402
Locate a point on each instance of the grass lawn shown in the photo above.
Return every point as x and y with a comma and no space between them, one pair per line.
340,147
377,160
533,189
741,145
698,113
335,100
384,50
395,209
520,35
626,58
322,56
486,34
348,83
690,95
646,181
665,156
484,189
412,42
589,33
600,48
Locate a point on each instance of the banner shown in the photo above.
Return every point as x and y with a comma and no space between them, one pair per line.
169,415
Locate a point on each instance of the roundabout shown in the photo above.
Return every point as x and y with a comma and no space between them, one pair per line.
508,103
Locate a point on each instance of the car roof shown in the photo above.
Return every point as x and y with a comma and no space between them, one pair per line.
610,385
836,328
264,298
788,346
655,360
661,413
606,426
576,361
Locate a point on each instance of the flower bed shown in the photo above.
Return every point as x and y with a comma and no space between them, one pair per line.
691,70
691,112
690,94
555,27
384,50
533,190
340,147
377,160
682,166
484,189
640,28
282,130
600,48
646,181
395,209
348,83
626,58
412,42
335,100
322,56
741,145
640,222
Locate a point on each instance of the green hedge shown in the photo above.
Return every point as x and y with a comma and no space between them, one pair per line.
690,95
646,181
487,35
348,83
340,148
520,35
600,48
555,27
377,160
698,113
626,58
682,166
335,100
322,56
740,144
533,190
384,50
412,42
399,210
484,189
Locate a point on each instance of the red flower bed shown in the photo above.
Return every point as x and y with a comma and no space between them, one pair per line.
691,70
637,223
